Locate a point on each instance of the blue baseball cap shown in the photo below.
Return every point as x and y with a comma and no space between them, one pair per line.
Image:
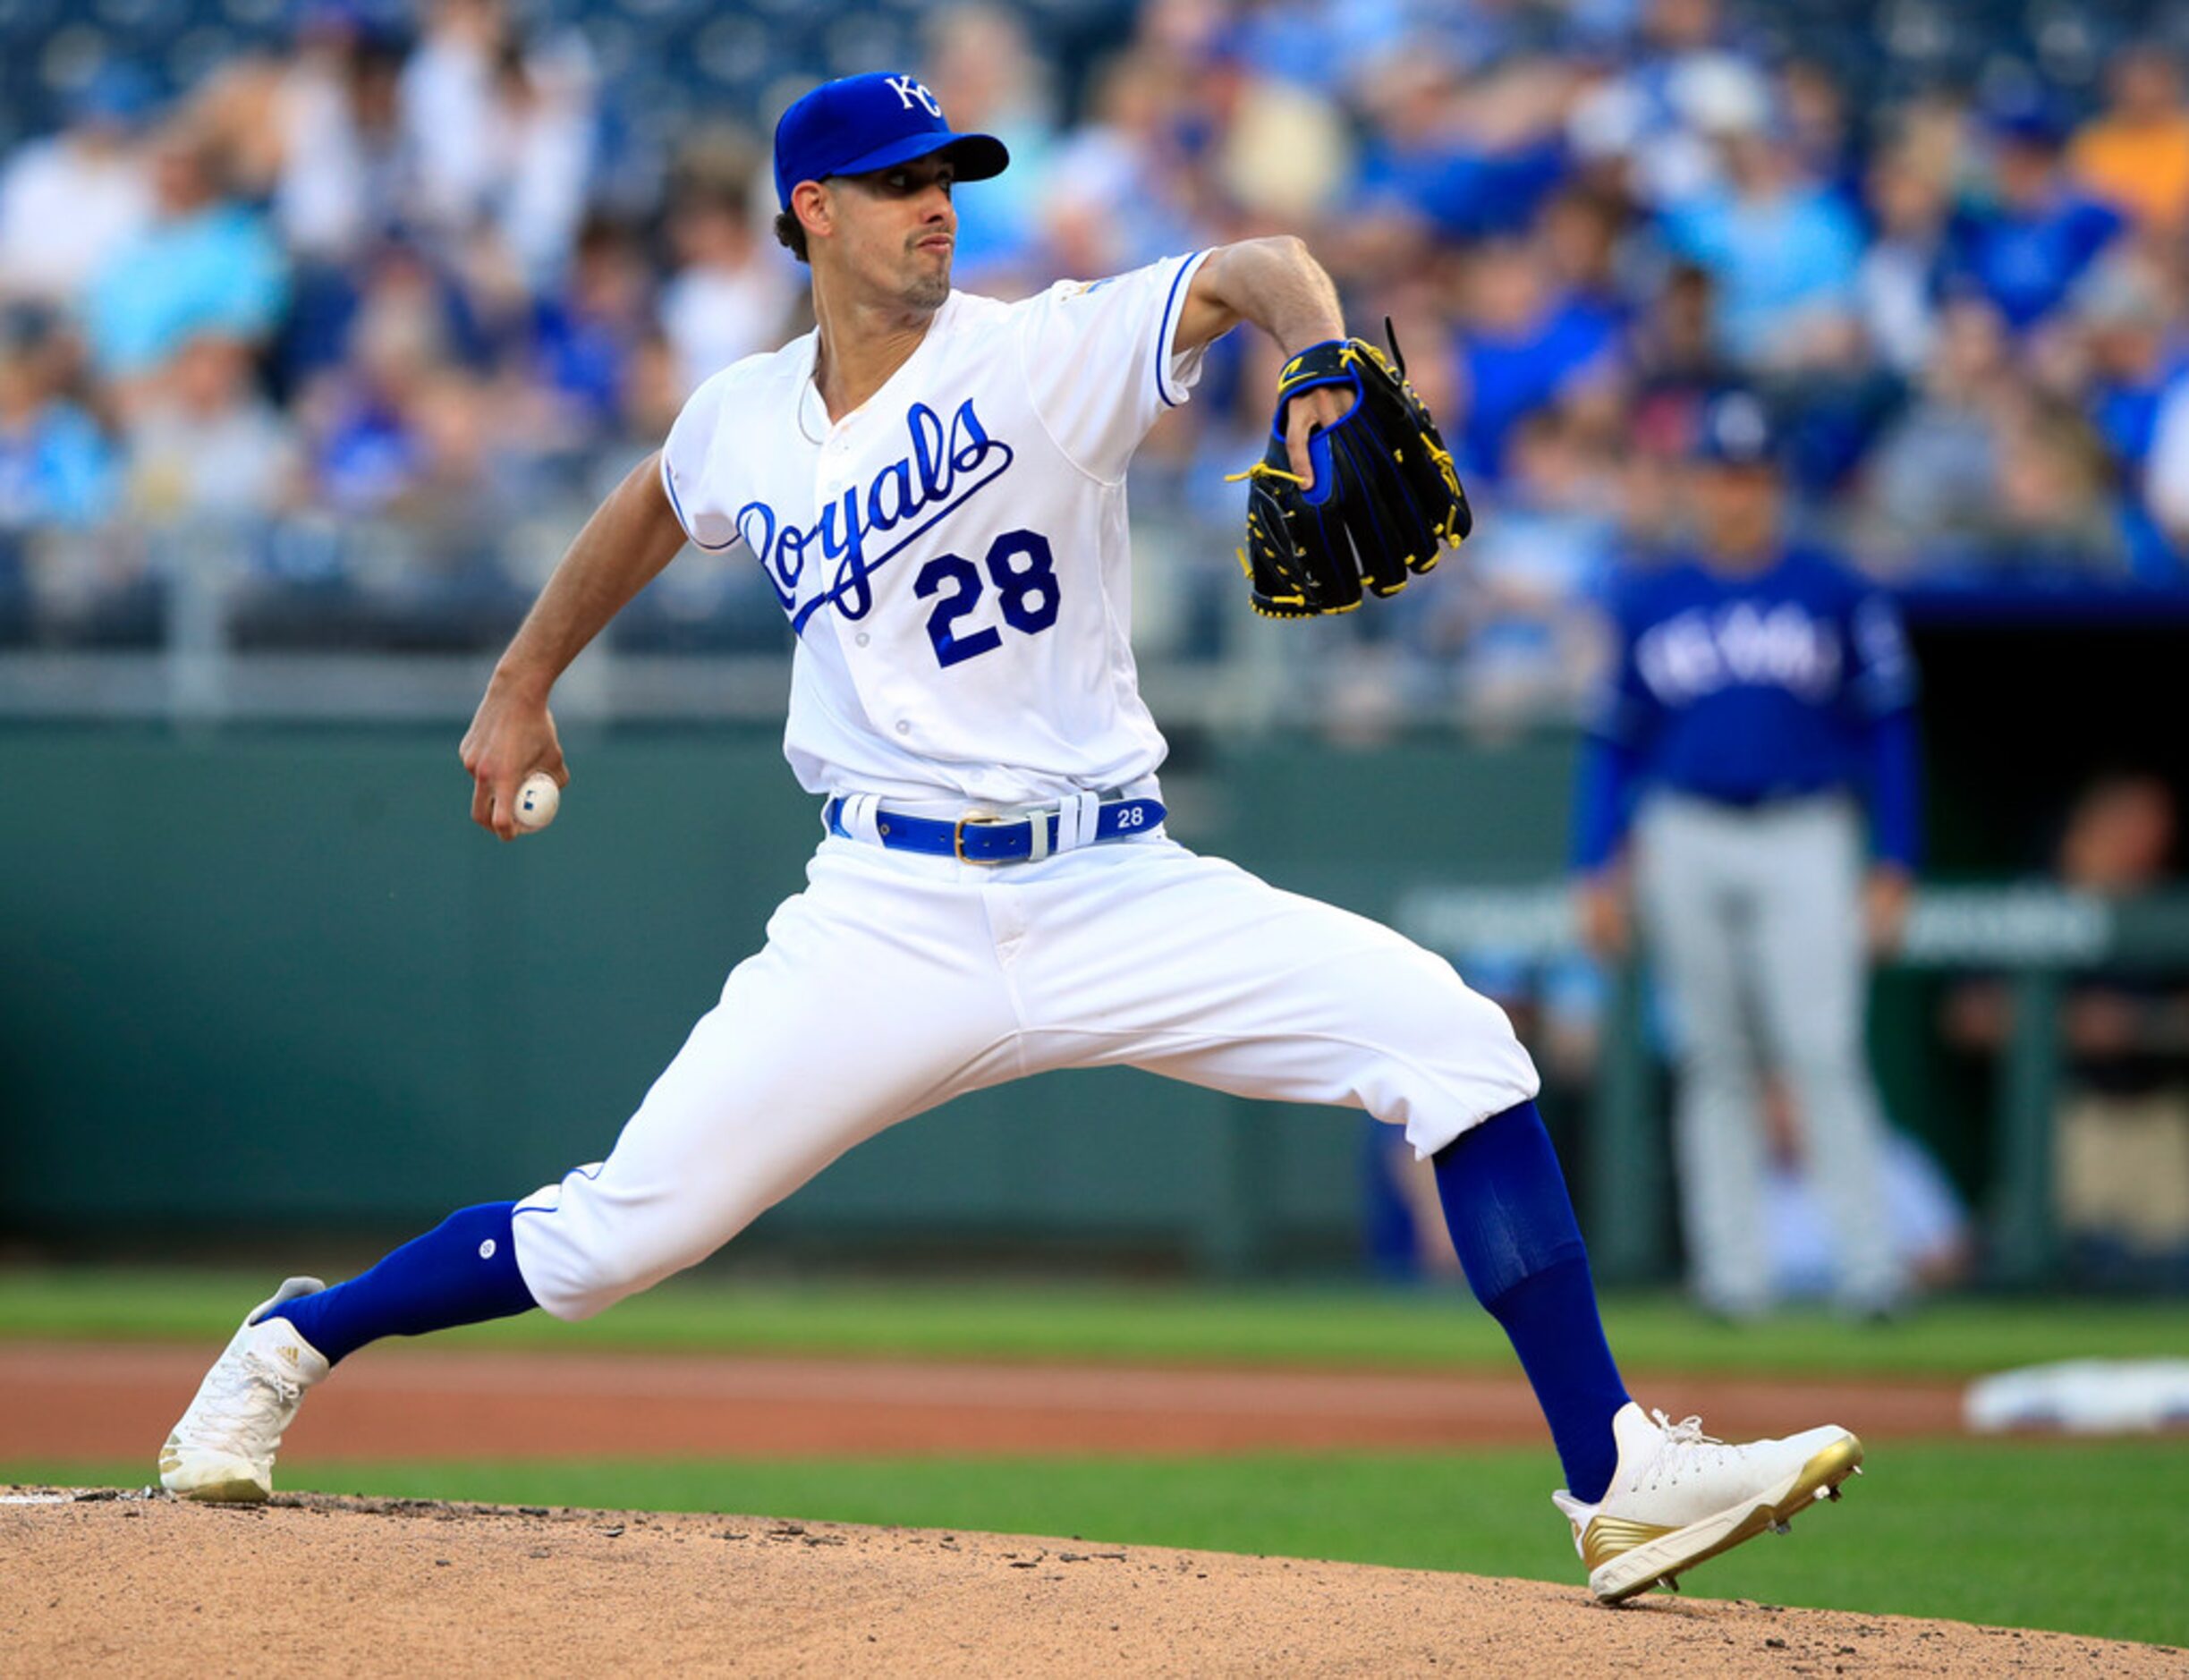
1736,430
2026,117
862,124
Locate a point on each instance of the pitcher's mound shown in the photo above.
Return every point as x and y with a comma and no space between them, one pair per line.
140,1583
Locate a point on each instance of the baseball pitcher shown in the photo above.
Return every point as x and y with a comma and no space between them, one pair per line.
934,485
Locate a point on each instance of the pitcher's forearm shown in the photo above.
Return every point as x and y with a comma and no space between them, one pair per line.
1275,283
631,537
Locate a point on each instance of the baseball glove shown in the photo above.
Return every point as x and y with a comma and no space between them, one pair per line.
1385,497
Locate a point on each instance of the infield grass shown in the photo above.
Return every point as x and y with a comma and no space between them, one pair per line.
2080,1538
1148,1324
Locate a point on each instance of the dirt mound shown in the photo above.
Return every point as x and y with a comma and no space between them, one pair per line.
109,1582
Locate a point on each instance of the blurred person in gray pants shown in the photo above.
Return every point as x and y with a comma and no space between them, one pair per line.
1761,697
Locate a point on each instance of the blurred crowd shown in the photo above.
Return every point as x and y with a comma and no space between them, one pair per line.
351,325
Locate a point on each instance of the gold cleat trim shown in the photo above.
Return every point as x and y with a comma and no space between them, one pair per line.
1609,1538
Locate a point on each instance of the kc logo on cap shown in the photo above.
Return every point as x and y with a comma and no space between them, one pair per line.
859,124
908,90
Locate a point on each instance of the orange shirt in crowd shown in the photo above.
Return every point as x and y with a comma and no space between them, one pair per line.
2141,167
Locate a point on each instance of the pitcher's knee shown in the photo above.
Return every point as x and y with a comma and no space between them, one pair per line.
1449,1060
574,1278
582,1245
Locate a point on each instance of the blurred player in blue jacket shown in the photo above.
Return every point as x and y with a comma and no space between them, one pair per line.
1761,696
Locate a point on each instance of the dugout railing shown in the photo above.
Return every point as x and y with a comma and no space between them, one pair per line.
2036,937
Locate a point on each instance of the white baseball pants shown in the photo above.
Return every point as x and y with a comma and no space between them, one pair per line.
896,982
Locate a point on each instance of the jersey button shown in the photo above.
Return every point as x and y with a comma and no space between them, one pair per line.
862,639
904,728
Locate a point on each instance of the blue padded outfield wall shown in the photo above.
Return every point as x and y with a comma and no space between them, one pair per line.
260,979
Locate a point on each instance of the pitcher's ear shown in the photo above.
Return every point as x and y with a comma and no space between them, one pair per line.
814,205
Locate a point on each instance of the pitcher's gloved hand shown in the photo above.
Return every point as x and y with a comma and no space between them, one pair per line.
1384,500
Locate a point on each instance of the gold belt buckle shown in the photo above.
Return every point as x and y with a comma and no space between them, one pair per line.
957,838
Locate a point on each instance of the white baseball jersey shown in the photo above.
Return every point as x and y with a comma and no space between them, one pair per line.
953,558
953,555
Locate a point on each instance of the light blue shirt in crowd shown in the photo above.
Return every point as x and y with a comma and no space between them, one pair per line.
1772,258
219,271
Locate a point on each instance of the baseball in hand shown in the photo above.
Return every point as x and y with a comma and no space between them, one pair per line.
537,798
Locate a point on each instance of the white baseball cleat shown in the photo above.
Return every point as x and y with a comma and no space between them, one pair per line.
1679,1496
224,1447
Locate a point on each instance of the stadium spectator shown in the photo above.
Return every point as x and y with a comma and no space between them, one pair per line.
727,296
1124,189
361,420
544,129
1900,283
204,446
984,69
1523,636
1651,126
1609,210
446,99
57,468
2165,468
1676,360
1582,237
310,129
1285,157
1932,494
1819,129
2134,156
206,263
70,201
1783,250
2124,318
2122,1145
588,331
343,174
2026,245
1407,139
2129,354
1468,156
1524,344
2057,509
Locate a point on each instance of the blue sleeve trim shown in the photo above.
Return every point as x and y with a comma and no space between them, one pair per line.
1894,802
1603,800
668,484
1162,341
589,1173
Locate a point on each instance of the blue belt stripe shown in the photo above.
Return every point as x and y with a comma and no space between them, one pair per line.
988,841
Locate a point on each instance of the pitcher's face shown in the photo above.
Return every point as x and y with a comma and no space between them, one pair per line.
893,232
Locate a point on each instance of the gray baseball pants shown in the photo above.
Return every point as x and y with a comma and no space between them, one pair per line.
1754,917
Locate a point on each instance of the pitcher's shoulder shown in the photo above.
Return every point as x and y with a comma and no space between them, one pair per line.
974,313
764,373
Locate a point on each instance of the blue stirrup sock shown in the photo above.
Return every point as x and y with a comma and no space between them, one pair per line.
1505,1203
462,1271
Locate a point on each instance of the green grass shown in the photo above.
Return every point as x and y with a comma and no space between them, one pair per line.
2079,1538
1153,1323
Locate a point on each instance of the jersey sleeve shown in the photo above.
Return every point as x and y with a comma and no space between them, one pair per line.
1100,363
1606,776
692,467
1883,678
1621,708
